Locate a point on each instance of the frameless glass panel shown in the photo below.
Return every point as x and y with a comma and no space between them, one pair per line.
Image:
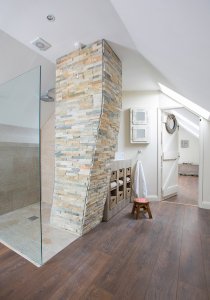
20,200
54,238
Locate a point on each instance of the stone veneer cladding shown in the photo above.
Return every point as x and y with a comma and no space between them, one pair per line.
88,104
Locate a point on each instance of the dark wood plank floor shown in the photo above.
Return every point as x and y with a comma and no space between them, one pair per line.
167,257
187,192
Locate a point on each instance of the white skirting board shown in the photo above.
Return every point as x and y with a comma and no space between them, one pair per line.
152,198
205,205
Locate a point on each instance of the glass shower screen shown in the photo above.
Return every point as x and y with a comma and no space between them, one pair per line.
20,187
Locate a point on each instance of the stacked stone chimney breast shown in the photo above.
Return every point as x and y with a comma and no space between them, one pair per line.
87,115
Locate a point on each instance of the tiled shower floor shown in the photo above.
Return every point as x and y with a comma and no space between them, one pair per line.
20,230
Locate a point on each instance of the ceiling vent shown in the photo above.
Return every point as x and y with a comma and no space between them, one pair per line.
41,44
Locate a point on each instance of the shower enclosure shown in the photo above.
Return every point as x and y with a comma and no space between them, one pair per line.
26,171
20,182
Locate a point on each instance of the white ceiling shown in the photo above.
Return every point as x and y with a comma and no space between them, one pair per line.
174,37
76,20
16,59
160,40
187,120
137,73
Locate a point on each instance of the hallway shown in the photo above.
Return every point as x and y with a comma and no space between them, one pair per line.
188,191
164,258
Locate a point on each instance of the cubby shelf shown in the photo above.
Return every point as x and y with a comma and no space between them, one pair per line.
120,195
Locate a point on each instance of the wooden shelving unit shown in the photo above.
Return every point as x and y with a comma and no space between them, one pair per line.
119,194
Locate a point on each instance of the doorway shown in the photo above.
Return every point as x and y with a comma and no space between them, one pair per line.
179,156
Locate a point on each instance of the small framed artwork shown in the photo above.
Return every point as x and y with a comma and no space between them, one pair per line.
140,134
139,116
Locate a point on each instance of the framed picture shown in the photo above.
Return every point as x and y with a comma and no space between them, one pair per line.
140,134
139,116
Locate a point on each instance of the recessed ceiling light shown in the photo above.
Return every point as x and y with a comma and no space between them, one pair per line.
51,18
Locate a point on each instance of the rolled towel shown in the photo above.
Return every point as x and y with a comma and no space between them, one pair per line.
128,179
113,184
120,182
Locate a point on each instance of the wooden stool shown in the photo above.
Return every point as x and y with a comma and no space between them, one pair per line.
141,203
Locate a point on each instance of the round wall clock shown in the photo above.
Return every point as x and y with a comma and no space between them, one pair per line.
171,123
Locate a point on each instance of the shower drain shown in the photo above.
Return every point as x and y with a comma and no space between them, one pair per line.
33,218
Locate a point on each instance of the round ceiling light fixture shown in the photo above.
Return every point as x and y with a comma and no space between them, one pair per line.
51,18
78,45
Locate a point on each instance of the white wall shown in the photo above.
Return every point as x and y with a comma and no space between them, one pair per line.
167,102
48,159
150,156
191,154
150,101
204,170
15,60
19,100
47,109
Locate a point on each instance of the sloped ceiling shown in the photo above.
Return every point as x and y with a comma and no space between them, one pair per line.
76,20
165,41
174,37
187,120
16,59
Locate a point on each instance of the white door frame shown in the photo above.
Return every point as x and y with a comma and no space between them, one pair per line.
200,177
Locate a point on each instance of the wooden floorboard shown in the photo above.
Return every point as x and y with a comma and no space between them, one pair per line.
167,257
190,292
187,191
191,262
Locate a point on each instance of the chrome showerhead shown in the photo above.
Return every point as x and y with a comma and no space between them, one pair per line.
50,96
46,98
